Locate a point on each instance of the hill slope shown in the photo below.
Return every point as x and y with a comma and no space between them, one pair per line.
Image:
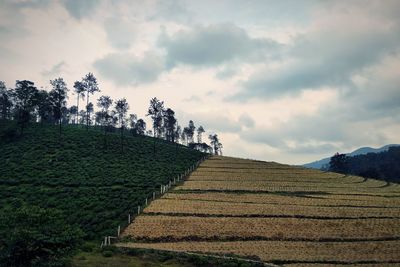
94,186
319,164
274,213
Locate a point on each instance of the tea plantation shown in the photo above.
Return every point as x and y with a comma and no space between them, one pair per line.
93,185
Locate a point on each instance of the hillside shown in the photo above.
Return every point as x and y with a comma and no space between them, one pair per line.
94,186
274,213
324,163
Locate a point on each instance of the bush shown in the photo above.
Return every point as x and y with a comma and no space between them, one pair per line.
107,253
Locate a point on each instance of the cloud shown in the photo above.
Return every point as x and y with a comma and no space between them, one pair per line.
193,98
127,69
80,9
336,47
246,120
55,70
120,32
211,121
214,45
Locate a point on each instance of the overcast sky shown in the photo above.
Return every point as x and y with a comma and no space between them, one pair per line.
289,81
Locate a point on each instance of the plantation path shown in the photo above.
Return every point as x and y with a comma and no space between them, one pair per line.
274,213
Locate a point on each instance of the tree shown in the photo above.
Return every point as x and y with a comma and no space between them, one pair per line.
90,85
44,106
191,131
80,92
89,110
33,236
5,101
200,131
140,127
25,96
338,163
105,102
58,99
170,124
73,110
132,123
214,141
156,110
121,108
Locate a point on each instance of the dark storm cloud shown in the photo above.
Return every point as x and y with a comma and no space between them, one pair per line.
213,45
126,69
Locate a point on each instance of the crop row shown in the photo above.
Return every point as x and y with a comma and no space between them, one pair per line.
189,207
266,186
275,199
177,227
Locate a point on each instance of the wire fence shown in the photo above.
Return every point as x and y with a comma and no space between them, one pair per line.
156,194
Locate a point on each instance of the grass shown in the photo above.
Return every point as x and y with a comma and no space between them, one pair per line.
95,186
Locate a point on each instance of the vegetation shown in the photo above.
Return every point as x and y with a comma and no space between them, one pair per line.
93,187
25,103
274,213
33,236
384,165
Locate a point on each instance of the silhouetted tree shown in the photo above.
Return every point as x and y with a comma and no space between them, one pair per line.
185,135
79,89
89,110
58,99
132,123
170,124
338,163
200,131
156,110
73,110
5,101
140,127
121,108
190,132
104,102
214,141
25,99
90,84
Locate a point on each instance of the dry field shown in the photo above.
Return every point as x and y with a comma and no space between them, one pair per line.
274,213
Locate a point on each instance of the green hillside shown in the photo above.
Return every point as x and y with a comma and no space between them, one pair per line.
94,187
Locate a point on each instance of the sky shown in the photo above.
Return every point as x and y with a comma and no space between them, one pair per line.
289,81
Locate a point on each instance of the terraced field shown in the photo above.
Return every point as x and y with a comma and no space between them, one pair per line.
274,213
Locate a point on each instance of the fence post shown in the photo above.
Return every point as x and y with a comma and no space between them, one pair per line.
119,230
138,210
146,202
105,241
109,240
154,195
129,218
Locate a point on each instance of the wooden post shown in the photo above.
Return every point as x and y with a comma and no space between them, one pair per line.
138,210
102,242
146,202
109,240
119,230
161,186
105,241
129,218
154,195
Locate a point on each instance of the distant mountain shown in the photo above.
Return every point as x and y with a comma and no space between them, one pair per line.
324,163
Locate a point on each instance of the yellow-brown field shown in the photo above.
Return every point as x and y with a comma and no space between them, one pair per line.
276,213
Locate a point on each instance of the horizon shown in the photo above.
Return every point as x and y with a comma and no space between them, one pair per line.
287,81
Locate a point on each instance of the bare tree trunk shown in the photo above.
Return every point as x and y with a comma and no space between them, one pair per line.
87,112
